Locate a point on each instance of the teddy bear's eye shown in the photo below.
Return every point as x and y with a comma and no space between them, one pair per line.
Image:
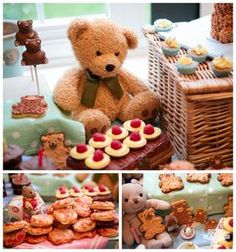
117,54
141,195
126,200
98,53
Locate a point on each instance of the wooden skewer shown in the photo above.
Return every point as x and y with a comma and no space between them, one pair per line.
36,78
32,73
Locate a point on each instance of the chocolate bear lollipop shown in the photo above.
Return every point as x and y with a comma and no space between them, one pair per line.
25,32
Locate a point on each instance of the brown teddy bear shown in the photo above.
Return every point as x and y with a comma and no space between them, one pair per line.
25,32
101,90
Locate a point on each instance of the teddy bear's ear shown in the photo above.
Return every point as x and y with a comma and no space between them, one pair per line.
18,22
135,181
30,21
76,28
131,38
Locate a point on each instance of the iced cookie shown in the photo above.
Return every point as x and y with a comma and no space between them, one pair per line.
117,149
226,179
134,125
202,178
117,132
149,132
135,141
99,141
170,182
81,151
99,160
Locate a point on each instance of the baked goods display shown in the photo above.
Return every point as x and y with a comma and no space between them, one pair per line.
170,47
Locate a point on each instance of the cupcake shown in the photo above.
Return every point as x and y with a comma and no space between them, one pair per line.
18,182
163,25
12,156
134,125
186,65
222,66
99,141
81,151
117,149
62,192
149,132
198,53
170,47
98,160
135,141
117,132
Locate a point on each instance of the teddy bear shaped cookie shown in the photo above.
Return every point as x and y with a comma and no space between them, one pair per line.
134,202
101,90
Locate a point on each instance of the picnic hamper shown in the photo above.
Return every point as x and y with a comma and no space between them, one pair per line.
196,109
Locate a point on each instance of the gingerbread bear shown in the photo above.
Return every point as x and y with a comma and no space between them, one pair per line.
201,215
228,208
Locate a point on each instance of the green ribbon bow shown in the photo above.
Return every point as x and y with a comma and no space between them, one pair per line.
91,86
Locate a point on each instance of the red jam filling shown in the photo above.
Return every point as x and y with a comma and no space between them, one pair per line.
102,188
62,190
98,156
148,129
81,148
76,189
221,247
135,123
116,145
91,189
135,136
98,137
116,130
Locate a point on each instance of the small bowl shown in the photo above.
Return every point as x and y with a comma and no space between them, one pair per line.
168,51
197,58
185,244
187,69
160,29
221,72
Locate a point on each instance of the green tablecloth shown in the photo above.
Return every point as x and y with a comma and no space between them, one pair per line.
26,132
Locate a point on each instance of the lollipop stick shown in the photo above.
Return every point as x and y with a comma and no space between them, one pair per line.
36,77
31,73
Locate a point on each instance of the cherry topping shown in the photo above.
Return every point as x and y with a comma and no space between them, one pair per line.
76,189
116,145
91,189
116,130
81,148
87,187
221,247
135,136
231,222
98,155
62,190
135,123
102,188
98,137
148,129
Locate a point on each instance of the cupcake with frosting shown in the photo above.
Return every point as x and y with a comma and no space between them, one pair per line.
117,149
163,25
222,66
170,47
198,53
117,132
186,65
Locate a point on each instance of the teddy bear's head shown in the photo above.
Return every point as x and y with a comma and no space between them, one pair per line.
25,26
33,45
28,192
133,197
100,45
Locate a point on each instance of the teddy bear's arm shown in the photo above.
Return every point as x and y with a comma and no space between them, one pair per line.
127,236
157,204
66,93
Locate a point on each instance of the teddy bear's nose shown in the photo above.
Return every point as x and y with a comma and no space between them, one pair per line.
110,67
136,201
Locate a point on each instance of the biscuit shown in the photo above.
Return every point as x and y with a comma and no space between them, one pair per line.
202,178
65,216
82,209
14,226
41,220
87,200
151,224
60,236
90,234
84,225
109,215
39,230
62,203
210,224
228,208
201,215
169,182
15,238
99,205
226,179
108,232
35,239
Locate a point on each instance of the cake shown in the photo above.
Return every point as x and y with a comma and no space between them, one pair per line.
198,53
12,156
185,65
170,47
222,22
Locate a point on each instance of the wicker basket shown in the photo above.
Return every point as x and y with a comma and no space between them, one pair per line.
196,109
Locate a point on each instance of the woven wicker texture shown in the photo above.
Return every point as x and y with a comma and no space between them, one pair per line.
196,109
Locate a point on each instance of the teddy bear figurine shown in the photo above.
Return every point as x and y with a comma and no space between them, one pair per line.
134,201
101,91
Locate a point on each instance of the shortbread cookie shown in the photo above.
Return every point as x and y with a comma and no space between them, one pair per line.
202,178
35,239
15,238
82,209
62,203
65,216
108,232
228,208
109,215
201,215
226,179
14,226
84,225
41,220
60,236
39,230
99,205
90,234
210,224
151,224
169,182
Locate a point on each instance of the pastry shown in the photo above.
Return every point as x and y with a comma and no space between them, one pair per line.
62,203
108,232
65,216
117,149
41,220
135,141
99,205
170,182
210,224
30,106
60,236
84,225
90,234
35,239
33,164
82,209
149,132
62,192
170,47
202,178
222,66
81,151
117,132
18,182
14,226
109,215
75,192
99,160
134,125
15,238
38,230
12,156
163,25
201,215
226,179
99,141
228,208
185,65
198,53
